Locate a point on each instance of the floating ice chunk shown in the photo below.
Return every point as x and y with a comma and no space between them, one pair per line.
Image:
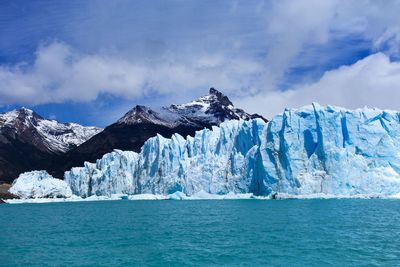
147,197
177,196
40,184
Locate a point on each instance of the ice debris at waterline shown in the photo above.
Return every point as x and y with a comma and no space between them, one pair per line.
39,184
313,151
202,195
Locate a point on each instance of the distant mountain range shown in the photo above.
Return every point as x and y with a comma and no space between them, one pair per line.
30,142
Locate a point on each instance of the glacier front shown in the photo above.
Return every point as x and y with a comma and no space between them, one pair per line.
217,161
314,150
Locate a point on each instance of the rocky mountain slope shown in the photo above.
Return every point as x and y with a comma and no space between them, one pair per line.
29,142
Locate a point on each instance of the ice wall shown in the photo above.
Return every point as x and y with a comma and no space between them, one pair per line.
217,161
312,150
336,151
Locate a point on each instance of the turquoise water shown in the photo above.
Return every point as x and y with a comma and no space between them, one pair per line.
202,233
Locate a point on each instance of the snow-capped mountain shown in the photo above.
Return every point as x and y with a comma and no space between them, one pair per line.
28,141
47,135
211,109
140,123
312,151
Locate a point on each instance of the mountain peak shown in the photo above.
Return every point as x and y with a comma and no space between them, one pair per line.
25,124
17,116
214,97
205,111
28,114
24,109
220,97
214,91
142,114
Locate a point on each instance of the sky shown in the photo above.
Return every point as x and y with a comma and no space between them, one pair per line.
91,61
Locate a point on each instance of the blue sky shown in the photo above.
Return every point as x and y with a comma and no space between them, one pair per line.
91,61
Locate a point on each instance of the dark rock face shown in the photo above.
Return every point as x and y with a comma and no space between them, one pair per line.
4,194
29,142
21,148
18,155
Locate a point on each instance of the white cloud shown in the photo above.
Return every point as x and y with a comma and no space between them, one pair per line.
373,81
294,27
61,74
389,42
293,24
246,51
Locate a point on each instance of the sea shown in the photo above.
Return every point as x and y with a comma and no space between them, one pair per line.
309,232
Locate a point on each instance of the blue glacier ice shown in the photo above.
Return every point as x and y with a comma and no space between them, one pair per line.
334,151
314,150
218,161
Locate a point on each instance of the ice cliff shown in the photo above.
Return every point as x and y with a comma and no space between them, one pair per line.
334,151
314,150
311,150
217,161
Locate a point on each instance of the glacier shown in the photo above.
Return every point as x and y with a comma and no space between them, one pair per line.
213,160
313,151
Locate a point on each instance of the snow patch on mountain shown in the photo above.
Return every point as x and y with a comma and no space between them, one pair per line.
211,109
53,135
66,134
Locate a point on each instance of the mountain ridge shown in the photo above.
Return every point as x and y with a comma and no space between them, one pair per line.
28,141
214,107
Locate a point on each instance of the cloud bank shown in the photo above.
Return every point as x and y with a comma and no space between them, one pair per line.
60,74
252,50
373,81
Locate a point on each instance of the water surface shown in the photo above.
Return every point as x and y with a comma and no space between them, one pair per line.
353,232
